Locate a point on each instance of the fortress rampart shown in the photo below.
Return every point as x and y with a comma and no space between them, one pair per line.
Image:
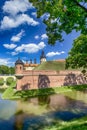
44,79
35,79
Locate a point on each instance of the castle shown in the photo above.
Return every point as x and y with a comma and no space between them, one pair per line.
28,78
31,65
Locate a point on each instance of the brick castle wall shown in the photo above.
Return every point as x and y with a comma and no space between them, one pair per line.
44,79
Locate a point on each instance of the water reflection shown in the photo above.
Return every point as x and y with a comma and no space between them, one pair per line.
0,96
35,113
7,109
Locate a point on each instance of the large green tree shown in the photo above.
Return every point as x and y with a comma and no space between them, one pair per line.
11,70
65,16
6,70
78,54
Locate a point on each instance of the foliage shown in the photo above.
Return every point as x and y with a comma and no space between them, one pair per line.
47,91
1,81
6,70
35,92
9,80
11,70
2,90
78,55
64,16
11,94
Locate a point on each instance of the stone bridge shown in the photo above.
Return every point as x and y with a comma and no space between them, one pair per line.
5,77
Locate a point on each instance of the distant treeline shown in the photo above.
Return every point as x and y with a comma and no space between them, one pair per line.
6,70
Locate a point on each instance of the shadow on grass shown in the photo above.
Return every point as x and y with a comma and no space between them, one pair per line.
35,92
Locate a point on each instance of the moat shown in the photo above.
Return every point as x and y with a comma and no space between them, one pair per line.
35,113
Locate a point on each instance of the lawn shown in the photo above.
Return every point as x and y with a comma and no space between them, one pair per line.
10,93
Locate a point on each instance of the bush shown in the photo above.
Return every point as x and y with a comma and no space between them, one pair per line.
1,81
9,80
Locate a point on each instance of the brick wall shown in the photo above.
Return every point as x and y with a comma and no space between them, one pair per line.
45,79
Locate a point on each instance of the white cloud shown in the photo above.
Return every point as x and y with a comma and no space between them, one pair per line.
10,22
5,61
41,45
16,14
14,53
13,7
44,36
30,48
34,14
9,46
36,37
17,37
51,54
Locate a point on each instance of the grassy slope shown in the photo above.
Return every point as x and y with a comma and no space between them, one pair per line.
49,91
9,92
52,65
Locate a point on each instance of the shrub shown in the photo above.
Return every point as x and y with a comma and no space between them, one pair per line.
9,80
1,81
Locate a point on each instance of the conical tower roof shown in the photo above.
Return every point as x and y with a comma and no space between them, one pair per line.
19,62
42,55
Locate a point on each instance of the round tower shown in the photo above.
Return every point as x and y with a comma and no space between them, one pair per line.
42,57
19,67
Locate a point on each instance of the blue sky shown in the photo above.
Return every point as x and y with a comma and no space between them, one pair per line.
23,35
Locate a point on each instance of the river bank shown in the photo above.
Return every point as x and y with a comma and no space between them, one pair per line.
12,93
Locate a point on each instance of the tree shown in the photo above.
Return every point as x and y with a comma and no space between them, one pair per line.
1,81
12,70
9,80
6,70
64,16
78,55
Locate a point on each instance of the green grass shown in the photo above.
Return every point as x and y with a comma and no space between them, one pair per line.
34,92
48,91
9,92
52,65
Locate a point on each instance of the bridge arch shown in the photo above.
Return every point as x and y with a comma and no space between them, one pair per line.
5,78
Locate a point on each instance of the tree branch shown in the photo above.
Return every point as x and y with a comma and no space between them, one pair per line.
77,3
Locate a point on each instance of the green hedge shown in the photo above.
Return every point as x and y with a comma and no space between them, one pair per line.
1,81
9,80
